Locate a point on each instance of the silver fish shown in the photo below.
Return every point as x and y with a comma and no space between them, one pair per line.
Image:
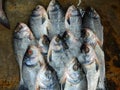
92,39
3,18
39,22
91,66
91,20
47,79
73,21
23,37
31,66
44,45
73,43
56,16
56,56
74,76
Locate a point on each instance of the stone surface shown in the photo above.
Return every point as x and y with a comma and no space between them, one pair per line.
20,10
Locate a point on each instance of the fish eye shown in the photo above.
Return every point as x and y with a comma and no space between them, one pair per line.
30,52
87,34
45,42
75,67
57,38
86,50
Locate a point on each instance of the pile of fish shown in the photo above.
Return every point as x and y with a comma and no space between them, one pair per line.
60,51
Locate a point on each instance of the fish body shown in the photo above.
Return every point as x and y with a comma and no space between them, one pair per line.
92,39
74,76
91,20
56,16
56,55
31,66
39,22
47,79
3,18
23,37
73,21
91,67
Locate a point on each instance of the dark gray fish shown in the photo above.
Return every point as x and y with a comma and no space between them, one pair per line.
47,79
33,60
73,21
91,20
91,66
23,37
73,43
92,39
56,55
39,22
74,76
3,18
56,16
44,45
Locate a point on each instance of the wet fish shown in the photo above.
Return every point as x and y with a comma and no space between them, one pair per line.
3,18
74,76
47,79
23,37
56,16
69,39
91,66
92,39
33,60
56,56
73,21
44,45
39,22
91,20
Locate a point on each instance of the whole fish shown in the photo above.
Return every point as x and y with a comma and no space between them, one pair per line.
33,60
69,39
91,66
56,16
56,56
47,79
39,22
3,18
73,21
74,76
90,38
44,45
23,37
91,20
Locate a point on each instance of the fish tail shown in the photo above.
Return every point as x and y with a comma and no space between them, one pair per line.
3,19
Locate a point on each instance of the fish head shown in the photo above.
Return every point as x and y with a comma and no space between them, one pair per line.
44,44
92,12
68,37
85,33
85,48
33,56
22,31
39,11
53,6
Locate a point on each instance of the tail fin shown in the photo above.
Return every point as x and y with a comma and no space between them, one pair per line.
4,20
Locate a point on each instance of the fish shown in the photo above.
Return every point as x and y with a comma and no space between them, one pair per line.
56,16
92,39
43,45
73,21
69,39
22,38
74,76
3,17
92,20
56,57
32,63
47,79
39,22
91,66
